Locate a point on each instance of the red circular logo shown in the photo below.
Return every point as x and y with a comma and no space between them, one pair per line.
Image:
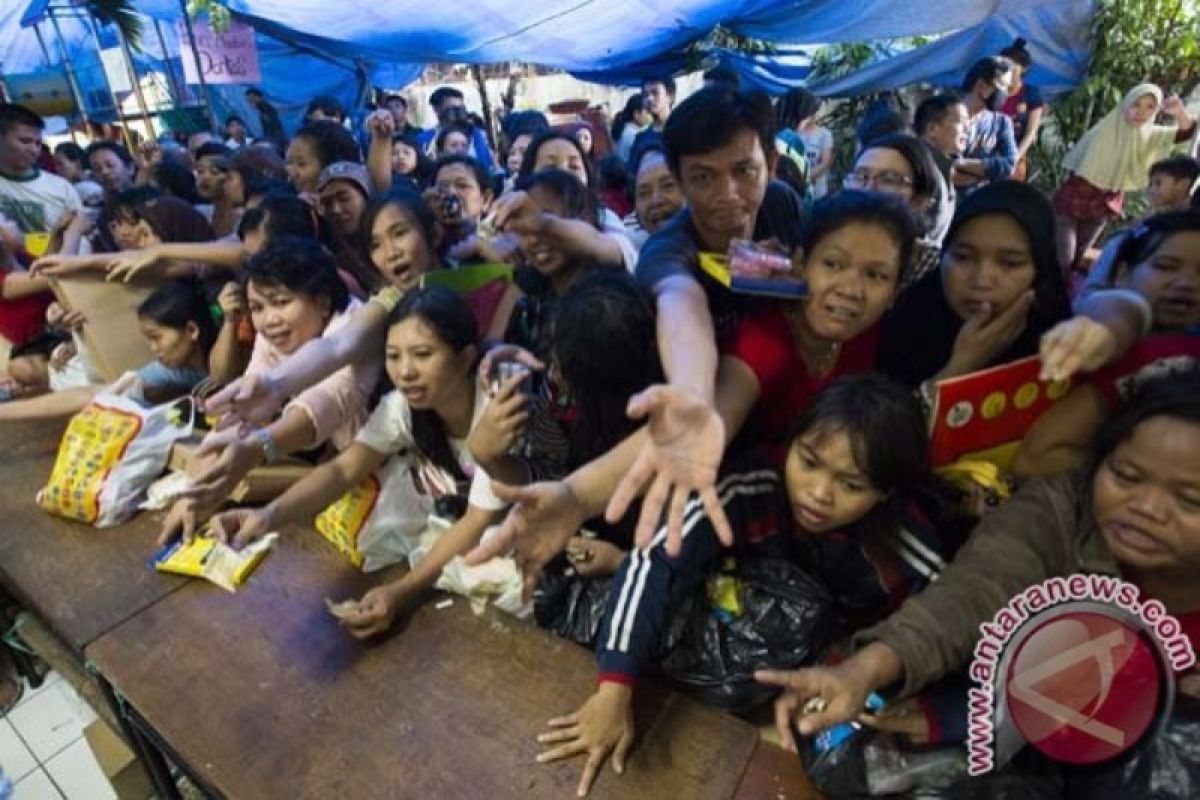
1084,687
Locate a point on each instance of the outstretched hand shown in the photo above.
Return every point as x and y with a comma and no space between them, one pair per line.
687,440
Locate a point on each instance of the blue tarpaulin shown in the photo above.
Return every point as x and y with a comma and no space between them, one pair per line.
309,47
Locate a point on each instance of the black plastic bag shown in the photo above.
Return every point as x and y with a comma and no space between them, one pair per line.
568,605
782,621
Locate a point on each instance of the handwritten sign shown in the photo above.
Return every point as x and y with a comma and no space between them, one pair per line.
229,57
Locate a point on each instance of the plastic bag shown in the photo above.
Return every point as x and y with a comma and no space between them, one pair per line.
568,605
110,454
379,522
763,614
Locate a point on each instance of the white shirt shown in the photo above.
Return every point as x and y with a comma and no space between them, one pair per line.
38,202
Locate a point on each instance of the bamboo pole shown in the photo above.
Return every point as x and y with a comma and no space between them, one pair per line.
67,66
137,86
187,21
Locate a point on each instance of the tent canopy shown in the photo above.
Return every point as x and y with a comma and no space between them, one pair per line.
310,47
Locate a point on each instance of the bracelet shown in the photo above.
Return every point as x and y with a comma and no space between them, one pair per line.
269,447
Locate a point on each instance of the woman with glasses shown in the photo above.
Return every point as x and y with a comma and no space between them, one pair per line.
901,165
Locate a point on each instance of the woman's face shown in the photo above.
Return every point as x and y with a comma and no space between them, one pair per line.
989,263
1143,110
642,118
71,170
826,487
424,369
343,204
1146,497
455,144
235,189
561,154
110,171
1170,280
584,137
303,166
172,346
286,319
539,252
210,179
404,158
884,170
516,153
852,275
459,180
398,247
657,197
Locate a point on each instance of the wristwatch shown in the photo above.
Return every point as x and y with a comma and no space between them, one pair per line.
266,441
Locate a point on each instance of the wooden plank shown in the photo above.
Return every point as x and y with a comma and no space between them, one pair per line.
81,581
775,774
112,339
265,696
261,484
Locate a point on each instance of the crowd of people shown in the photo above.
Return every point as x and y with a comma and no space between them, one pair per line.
615,415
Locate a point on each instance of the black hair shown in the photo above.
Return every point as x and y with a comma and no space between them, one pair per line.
330,140
126,203
916,153
797,105
175,179
609,307
329,106
452,321
457,127
1179,167
12,115
880,119
253,91
711,117
283,213
442,94
934,110
232,118
519,122
666,80
175,304
70,151
424,162
1174,395
847,207
577,201
267,144
613,174
213,149
300,265
116,149
888,437
1143,241
636,159
1018,53
473,166
529,162
634,104
723,74
417,210
397,98
986,69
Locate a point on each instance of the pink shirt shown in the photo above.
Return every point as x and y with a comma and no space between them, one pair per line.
337,406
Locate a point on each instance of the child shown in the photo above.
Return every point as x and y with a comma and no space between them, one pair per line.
843,507
1159,259
432,353
175,320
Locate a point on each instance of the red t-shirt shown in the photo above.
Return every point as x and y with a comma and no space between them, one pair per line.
1151,357
23,318
763,340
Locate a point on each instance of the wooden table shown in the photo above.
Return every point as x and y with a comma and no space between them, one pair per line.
262,694
81,581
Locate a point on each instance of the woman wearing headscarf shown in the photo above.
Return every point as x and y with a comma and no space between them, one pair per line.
1112,158
997,290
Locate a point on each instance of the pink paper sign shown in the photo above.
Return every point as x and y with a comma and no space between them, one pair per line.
229,57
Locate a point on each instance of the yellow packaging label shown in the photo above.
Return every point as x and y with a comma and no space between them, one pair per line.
205,557
343,520
36,244
94,443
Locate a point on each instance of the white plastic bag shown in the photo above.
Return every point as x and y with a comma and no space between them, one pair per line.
379,522
110,454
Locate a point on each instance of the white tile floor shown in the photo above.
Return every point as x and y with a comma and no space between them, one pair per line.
42,749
